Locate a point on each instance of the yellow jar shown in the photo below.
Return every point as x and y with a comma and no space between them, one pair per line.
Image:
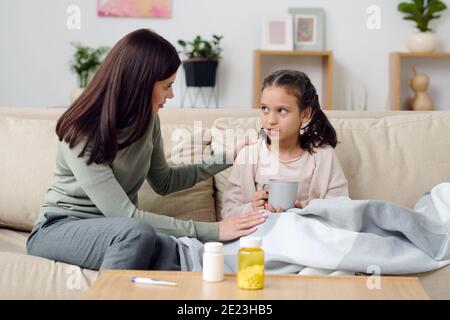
250,264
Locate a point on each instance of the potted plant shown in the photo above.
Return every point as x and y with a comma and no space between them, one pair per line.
422,12
85,62
202,61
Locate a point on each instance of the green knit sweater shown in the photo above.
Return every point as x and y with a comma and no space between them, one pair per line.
96,191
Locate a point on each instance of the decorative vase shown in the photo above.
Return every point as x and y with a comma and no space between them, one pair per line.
419,83
422,42
75,93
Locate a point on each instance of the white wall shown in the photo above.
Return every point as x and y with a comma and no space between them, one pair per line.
35,46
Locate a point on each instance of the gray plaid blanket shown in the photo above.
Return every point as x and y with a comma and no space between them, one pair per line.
348,236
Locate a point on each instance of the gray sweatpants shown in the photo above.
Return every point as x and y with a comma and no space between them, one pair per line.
103,243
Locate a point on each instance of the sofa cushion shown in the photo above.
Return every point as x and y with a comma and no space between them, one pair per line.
436,283
27,164
181,147
395,158
13,241
29,277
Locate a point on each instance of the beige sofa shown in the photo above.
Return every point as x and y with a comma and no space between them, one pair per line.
384,155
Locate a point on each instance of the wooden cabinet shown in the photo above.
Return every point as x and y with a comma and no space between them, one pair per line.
266,62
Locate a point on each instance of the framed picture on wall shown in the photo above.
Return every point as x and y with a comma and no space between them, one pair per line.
278,33
309,28
134,8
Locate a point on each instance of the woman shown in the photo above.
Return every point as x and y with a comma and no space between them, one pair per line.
109,143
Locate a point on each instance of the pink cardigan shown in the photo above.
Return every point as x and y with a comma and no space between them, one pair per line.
319,174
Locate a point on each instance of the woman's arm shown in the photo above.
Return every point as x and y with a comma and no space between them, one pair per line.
103,189
165,179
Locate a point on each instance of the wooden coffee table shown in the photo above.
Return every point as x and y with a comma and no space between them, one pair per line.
116,284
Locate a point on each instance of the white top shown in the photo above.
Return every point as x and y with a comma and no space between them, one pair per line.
319,175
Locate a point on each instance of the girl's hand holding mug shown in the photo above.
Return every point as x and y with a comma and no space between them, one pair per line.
260,198
269,207
260,201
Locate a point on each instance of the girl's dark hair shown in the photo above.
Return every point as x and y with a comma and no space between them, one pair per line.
119,96
319,131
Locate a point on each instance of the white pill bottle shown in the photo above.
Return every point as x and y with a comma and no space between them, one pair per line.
213,262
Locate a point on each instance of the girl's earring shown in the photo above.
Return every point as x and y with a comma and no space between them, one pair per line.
303,128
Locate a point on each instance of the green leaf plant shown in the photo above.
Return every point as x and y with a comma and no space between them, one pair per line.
201,48
422,12
85,62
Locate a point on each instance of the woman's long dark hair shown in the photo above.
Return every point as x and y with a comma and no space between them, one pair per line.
319,131
119,96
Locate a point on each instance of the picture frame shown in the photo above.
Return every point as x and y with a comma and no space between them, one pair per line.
309,28
278,33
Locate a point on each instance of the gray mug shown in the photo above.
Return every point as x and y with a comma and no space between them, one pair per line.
282,194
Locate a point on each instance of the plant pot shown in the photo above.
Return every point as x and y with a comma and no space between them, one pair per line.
200,72
422,42
75,93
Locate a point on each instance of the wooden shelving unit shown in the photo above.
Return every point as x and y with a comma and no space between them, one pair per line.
396,71
326,66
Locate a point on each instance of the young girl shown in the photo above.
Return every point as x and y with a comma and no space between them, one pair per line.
109,145
298,145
